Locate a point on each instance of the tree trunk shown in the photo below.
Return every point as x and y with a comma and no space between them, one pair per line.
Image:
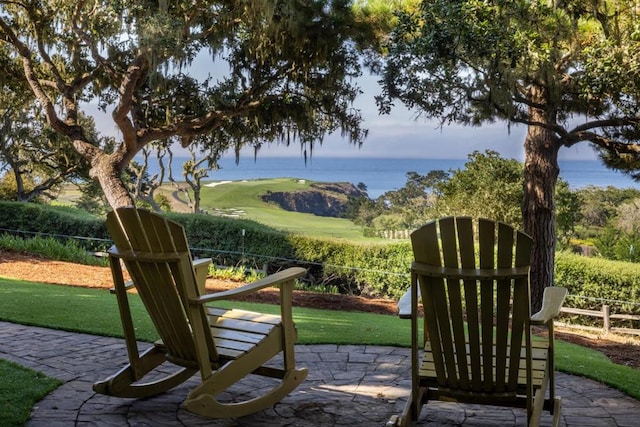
108,171
538,208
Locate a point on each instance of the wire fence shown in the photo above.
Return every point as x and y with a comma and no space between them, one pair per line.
241,254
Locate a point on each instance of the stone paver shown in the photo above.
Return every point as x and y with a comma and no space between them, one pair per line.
346,386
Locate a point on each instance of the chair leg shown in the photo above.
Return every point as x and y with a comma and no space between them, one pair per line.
557,407
411,411
394,421
538,405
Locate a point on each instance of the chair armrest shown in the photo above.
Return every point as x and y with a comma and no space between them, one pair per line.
552,301
201,269
404,305
277,279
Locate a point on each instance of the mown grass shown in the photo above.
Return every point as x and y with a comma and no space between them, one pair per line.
245,196
94,311
20,389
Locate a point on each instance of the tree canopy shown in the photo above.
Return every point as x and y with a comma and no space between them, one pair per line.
569,71
227,73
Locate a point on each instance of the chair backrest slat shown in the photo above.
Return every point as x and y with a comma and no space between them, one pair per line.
156,255
481,354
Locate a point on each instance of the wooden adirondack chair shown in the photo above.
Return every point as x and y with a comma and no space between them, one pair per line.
225,345
476,345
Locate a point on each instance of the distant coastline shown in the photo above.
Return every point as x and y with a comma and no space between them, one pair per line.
381,175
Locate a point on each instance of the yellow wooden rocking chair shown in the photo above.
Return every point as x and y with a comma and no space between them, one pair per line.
476,345
225,345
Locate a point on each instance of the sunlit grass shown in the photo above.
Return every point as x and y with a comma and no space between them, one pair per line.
49,248
95,311
245,196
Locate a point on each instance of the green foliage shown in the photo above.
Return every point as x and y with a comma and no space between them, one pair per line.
283,71
37,160
92,199
9,186
568,204
370,269
533,63
235,274
28,219
20,389
599,205
474,61
50,248
606,241
489,186
164,202
415,202
616,244
355,268
599,279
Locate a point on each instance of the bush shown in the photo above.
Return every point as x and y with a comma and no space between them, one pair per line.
370,269
591,280
50,248
60,222
356,268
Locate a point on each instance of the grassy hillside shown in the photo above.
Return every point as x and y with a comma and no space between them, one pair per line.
244,196
242,199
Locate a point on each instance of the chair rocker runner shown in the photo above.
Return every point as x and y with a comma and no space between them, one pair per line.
225,345
477,345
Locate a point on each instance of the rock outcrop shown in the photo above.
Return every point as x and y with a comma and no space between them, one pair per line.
323,199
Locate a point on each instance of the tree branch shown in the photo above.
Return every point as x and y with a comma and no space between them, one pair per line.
135,75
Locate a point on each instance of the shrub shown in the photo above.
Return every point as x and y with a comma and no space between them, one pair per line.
60,222
371,269
591,280
50,248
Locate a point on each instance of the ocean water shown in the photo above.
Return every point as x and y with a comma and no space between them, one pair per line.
381,175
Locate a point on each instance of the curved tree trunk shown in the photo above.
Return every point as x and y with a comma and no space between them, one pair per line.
538,208
107,170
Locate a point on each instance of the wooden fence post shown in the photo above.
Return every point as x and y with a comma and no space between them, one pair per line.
606,315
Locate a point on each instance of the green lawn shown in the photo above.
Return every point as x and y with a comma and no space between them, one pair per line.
74,309
20,388
245,196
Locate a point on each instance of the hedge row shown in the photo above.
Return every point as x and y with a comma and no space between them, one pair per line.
30,219
376,269
592,280
370,269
